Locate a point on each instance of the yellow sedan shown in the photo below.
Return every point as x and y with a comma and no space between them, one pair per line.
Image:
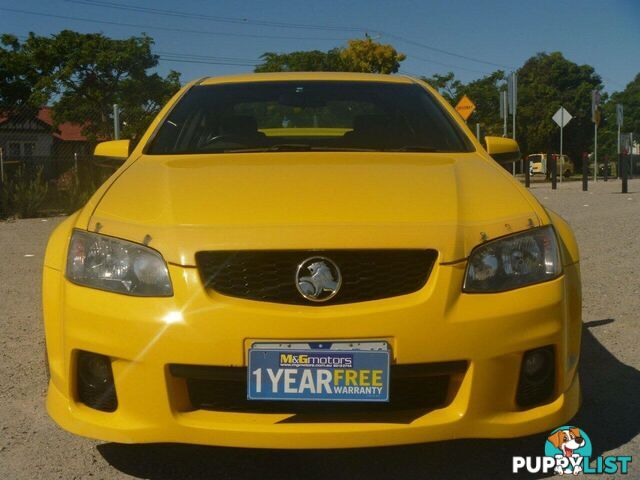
311,260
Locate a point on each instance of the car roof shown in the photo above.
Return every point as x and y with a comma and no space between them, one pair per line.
293,76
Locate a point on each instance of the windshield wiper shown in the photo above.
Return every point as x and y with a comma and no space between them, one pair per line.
282,147
412,148
295,147
289,147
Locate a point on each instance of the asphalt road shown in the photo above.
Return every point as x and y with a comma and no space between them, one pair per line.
607,225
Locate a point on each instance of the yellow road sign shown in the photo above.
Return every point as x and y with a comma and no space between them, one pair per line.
465,107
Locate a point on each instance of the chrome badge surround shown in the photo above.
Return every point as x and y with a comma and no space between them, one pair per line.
318,279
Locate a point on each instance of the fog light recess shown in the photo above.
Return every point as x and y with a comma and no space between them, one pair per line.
96,388
537,377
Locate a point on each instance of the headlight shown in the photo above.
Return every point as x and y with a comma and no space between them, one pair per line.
514,261
115,265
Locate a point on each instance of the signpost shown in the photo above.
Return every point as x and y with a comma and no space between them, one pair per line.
631,156
619,120
595,117
116,121
465,107
504,111
562,117
512,89
585,168
552,163
623,166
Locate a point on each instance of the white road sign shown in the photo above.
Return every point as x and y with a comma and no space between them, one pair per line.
619,114
562,117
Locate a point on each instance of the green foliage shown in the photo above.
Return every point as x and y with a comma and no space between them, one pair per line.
447,85
311,61
21,78
97,71
546,82
363,55
630,99
86,74
78,195
24,193
366,55
484,92
76,186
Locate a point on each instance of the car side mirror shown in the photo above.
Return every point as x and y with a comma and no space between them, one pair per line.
502,150
114,150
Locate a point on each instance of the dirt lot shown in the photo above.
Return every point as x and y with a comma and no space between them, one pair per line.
607,224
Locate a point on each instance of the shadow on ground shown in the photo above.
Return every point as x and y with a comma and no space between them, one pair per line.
609,387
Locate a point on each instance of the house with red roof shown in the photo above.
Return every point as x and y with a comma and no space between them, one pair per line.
34,140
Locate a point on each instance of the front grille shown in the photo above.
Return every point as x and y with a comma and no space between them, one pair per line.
269,276
414,390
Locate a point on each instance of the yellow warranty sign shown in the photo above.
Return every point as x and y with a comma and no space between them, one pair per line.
465,107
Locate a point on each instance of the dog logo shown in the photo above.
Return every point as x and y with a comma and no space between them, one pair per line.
570,443
318,279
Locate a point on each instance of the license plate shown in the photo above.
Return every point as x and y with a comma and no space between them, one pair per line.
319,371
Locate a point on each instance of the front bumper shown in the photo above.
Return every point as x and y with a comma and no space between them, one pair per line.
437,324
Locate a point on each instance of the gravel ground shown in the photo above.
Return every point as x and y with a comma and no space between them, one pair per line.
607,225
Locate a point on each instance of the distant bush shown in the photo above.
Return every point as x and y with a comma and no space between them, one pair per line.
77,195
24,193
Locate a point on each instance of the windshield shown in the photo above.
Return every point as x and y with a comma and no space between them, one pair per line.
308,116
535,158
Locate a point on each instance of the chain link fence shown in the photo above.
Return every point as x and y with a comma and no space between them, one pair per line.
45,168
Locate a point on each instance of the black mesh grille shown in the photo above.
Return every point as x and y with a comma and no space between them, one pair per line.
418,387
269,276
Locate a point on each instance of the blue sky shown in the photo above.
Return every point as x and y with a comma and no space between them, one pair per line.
436,36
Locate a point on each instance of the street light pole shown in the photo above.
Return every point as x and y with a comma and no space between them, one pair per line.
505,113
595,153
561,130
514,102
514,89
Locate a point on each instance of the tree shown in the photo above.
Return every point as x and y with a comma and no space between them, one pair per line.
20,77
447,85
311,61
359,56
630,100
87,74
484,93
546,82
366,55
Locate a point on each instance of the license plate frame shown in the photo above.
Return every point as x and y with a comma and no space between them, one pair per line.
369,359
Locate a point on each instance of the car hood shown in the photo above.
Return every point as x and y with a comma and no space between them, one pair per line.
313,200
